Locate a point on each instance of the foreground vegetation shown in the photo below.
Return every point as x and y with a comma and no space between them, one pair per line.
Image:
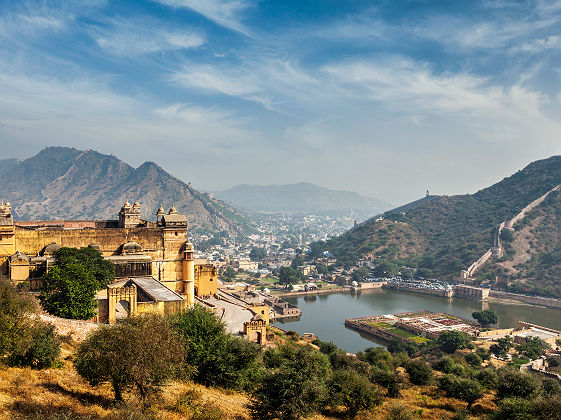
187,366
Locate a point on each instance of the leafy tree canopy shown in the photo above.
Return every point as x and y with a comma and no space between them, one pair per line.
486,318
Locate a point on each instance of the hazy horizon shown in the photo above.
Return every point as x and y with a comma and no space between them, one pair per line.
387,99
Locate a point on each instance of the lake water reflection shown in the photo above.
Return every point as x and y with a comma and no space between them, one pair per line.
324,315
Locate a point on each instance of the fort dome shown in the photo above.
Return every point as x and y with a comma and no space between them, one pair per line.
127,205
160,211
172,210
51,249
136,205
131,247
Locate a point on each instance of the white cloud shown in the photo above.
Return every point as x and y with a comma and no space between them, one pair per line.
135,37
225,13
539,45
405,85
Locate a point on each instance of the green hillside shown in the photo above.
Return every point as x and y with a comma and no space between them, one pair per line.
443,234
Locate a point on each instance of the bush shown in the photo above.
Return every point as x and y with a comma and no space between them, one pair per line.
513,383
140,351
450,341
473,359
448,365
69,289
551,387
468,390
420,373
190,405
219,359
486,318
488,378
295,385
397,345
342,360
353,391
387,379
43,351
514,409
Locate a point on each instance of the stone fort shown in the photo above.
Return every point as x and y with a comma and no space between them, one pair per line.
154,261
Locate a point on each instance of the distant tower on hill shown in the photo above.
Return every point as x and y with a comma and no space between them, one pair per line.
428,193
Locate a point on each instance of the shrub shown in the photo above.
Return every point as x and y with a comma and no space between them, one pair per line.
43,351
513,383
353,391
468,390
341,361
551,387
387,379
397,345
140,351
502,346
473,359
514,409
420,373
448,365
488,378
295,385
190,405
450,341
219,359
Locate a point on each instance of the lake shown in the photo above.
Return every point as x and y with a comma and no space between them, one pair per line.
324,315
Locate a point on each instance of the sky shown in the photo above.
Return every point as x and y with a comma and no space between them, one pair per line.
386,98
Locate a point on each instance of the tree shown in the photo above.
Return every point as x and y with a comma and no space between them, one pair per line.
353,391
288,275
513,383
388,379
360,273
532,348
143,352
473,359
385,269
219,359
257,254
397,345
295,385
89,258
69,292
486,318
24,339
450,341
43,350
69,289
468,390
296,262
502,346
420,373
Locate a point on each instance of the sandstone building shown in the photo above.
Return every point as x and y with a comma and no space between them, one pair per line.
149,257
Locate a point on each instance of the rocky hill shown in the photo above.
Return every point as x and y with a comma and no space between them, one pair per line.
302,198
65,183
442,235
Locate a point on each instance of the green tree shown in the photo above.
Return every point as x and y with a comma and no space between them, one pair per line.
143,352
288,275
532,348
450,341
69,292
297,262
388,379
420,373
468,390
360,273
24,339
43,350
69,288
89,258
385,269
353,391
486,318
219,359
257,254
513,383
396,345
502,346
295,385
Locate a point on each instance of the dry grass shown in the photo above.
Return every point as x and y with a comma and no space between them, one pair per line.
62,394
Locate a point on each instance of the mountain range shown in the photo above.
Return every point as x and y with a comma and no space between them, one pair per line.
438,236
66,183
304,198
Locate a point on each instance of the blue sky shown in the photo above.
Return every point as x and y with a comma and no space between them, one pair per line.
387,98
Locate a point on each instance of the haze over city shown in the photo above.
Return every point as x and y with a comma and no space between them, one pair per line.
384,98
